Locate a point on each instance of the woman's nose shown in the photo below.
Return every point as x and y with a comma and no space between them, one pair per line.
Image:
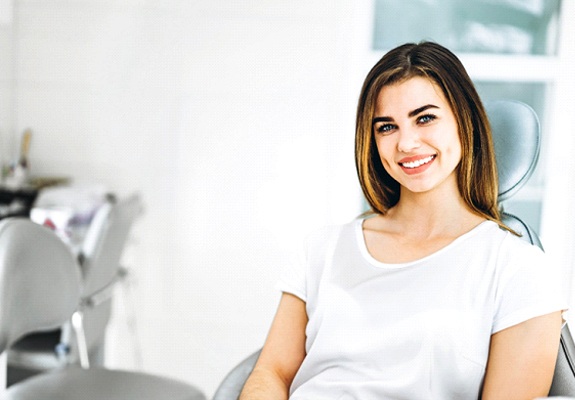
408,140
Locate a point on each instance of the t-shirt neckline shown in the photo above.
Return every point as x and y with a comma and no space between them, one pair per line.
379,264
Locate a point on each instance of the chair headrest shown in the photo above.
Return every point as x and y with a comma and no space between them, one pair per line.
516,137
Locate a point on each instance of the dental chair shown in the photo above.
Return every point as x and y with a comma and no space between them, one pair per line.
41,289
516,135
99,260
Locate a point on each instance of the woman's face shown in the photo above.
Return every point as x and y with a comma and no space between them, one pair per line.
417,136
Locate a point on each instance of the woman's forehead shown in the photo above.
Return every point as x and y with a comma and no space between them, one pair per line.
407,95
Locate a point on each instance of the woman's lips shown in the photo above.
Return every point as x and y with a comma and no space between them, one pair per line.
416,164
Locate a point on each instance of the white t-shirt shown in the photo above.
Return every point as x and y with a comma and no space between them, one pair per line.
417,330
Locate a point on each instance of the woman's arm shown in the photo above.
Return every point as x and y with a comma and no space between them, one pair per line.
282,355
522,359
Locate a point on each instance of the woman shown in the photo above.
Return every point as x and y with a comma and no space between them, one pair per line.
431,297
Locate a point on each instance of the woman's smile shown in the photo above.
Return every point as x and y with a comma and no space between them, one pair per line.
417,164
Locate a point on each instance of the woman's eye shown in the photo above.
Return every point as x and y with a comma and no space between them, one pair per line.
424,119
384,128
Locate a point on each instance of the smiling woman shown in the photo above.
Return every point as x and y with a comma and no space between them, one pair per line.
430,296
448,84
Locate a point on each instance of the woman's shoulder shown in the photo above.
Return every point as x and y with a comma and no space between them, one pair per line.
507,242
514,253
517,243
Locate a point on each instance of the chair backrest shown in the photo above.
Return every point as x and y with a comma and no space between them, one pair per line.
100,257
516,137
105,242
39,280
517,142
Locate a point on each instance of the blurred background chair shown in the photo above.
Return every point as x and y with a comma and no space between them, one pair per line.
516,136
40,289
99,259
26,250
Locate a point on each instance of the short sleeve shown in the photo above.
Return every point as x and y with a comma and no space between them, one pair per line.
293,276
528,286
302,274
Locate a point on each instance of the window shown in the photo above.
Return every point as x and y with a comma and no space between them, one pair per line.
472,26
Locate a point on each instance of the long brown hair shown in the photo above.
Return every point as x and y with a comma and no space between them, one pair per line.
477,171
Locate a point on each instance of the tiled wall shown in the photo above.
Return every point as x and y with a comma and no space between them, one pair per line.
234,120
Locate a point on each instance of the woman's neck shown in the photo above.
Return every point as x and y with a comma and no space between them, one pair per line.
433,213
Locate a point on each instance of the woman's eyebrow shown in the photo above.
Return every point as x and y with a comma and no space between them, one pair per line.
410,114
420,110
382,119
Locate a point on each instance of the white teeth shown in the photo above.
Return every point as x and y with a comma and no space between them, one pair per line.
418,163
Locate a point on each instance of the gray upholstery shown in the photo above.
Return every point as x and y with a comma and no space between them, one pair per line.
40,289
516,137
74,383
100,258
105,242
564,376
233,383
36,268
517,143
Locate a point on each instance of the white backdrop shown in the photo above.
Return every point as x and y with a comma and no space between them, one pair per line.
235,122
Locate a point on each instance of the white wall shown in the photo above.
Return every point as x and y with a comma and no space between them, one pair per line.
235,121
6,75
